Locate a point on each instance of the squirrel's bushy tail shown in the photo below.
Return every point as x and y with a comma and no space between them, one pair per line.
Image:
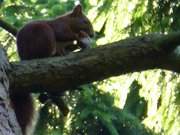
24,109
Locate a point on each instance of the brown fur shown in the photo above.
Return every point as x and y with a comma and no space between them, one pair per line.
24,109
36,40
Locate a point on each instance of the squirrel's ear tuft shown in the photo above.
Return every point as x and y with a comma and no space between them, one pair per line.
77,11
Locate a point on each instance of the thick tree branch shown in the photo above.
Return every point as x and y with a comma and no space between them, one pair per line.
126,56
9,28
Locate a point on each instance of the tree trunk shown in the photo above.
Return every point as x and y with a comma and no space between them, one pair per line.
8,122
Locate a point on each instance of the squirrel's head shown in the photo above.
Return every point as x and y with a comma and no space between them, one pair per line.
79,22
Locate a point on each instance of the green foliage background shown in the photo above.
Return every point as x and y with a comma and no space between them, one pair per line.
138,103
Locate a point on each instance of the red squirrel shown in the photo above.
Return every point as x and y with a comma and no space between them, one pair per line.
45,38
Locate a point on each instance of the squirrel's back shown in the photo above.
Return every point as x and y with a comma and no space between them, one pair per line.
36,40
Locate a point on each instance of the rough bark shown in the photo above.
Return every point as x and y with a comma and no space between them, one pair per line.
126,56
8,122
